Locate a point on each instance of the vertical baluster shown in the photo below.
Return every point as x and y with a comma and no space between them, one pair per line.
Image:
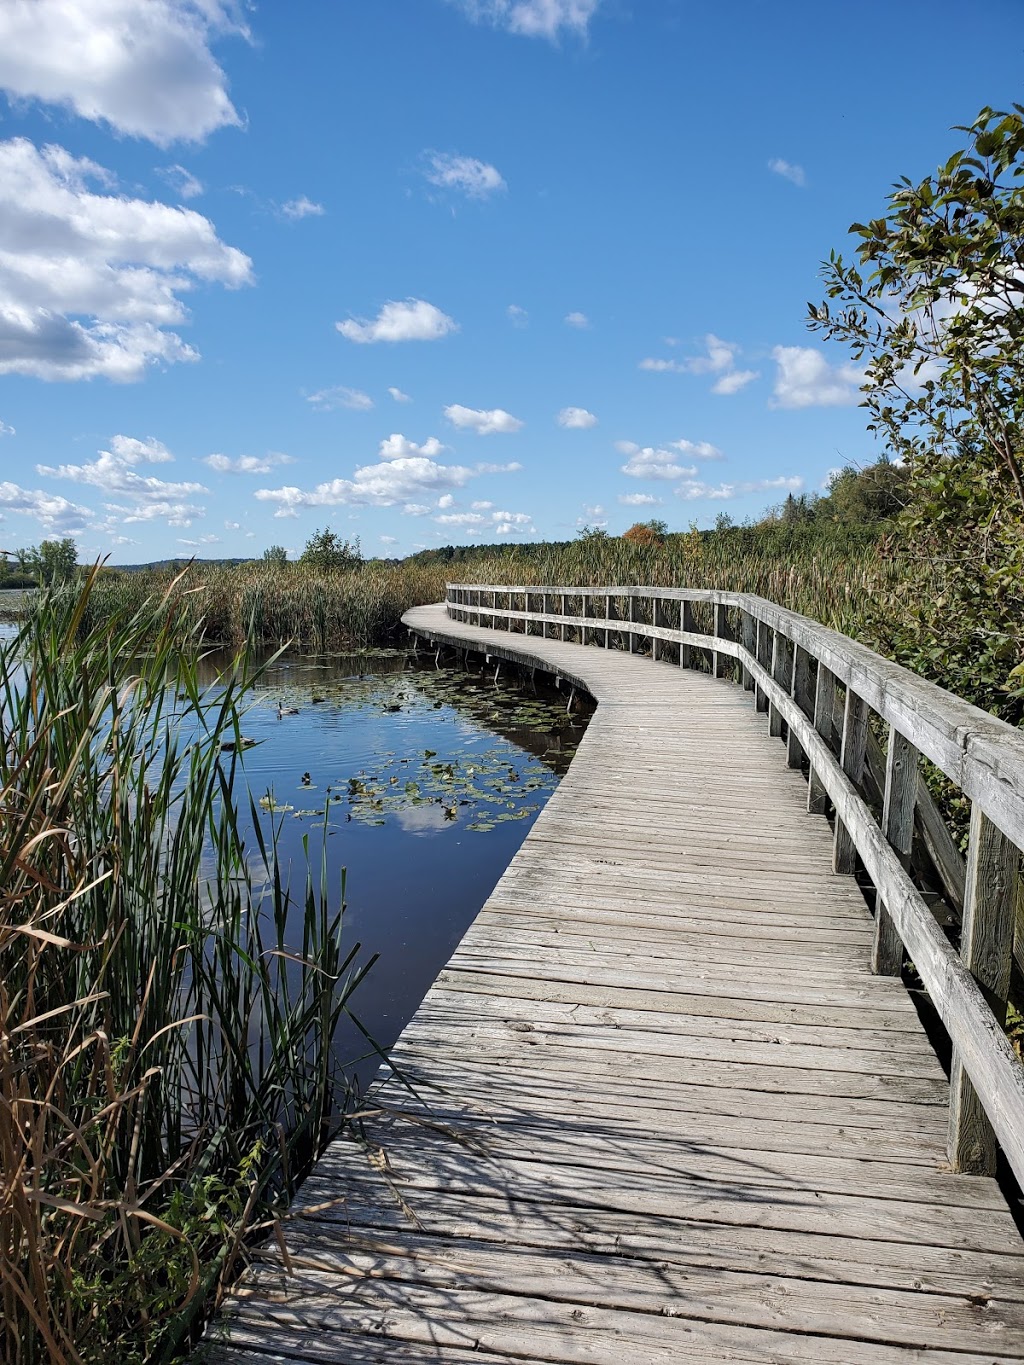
657,619
611,614
563,627
762,646
782,673
721,663
632,619
855,738
685,623
801,692
824,700
748,638
898,828
986,947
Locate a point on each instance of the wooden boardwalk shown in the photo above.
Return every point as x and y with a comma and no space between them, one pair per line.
661,1110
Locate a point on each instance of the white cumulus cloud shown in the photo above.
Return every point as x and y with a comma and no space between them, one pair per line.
578,320
302,207
181,181
246,464
398,447
54,513
485,422
576,419
718,358
518,317
405,473
326,400
115,473
6,430
144,67
639,500
464,174
662,462
398,395
789,170
734,381
805,379
406,320
90,282
694,490
534,18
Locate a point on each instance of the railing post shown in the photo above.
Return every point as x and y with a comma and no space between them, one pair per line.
609,615
562,614
855,739
782,673
748,638
824,700
720,663
632,619
898,828
762,648
686,623
583,614
986,947
657,619
800,692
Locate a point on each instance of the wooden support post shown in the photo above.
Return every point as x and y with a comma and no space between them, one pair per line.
562,613
898,828
748,638
609,615
632,618
824,693
855,738
657,619
721,664
800,692
782,673
583,614
761,650
686,623
986,947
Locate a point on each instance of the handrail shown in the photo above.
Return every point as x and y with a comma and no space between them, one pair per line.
800,672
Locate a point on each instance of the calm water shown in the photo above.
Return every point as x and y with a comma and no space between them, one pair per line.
430,779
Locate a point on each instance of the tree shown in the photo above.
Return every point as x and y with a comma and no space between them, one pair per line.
327,550
651,532
941,316
940,321
587,532
57,560
275,554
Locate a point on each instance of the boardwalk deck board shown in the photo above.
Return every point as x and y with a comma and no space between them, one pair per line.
656,1108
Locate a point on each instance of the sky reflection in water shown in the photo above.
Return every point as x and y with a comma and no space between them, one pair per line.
431,779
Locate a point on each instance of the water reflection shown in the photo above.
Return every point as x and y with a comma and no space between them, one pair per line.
421,782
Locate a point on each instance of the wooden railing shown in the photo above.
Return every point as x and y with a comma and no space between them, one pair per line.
838,706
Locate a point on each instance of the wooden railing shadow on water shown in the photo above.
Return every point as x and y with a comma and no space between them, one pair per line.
860,726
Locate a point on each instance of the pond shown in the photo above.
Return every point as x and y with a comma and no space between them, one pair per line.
429,779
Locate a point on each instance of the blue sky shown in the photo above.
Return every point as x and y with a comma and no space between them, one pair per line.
432,271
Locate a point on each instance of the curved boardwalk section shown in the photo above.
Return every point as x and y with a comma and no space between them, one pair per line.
657,1108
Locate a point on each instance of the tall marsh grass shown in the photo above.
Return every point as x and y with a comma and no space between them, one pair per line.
167,1005
827,577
